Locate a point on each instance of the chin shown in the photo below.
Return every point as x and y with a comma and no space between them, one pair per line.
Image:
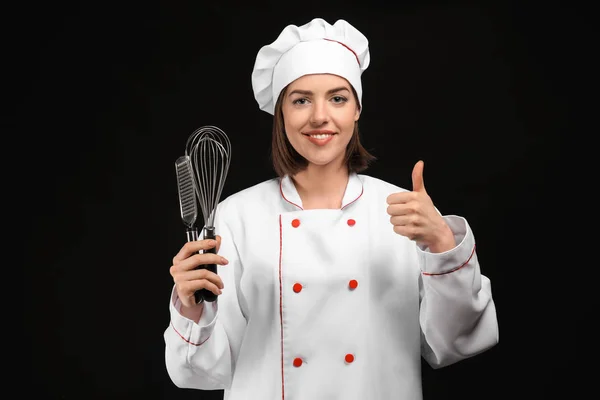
324,161
319,163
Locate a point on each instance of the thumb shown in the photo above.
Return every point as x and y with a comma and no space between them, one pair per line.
417,177
218,246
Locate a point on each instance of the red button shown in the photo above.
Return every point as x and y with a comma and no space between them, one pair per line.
297,287
353,284
296,223
298,362
349,358
351,222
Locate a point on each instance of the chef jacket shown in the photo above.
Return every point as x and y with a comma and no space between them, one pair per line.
329,303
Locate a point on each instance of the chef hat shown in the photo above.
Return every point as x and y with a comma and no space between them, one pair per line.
316,47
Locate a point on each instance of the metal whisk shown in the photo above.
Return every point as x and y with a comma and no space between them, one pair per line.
209,152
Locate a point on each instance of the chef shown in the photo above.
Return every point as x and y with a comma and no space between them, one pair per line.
331,284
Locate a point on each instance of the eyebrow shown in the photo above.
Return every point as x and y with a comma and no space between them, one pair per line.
308,92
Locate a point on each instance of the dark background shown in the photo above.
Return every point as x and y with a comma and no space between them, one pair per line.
106,95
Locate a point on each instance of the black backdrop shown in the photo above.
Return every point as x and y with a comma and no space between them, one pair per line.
111,92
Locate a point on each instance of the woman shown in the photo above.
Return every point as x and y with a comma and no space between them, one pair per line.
331,284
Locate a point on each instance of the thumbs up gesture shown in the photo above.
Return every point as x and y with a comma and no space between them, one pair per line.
413,215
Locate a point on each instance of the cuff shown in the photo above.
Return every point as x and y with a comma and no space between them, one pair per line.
451,260
193,333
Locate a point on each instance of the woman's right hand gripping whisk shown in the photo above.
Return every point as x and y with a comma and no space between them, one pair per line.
188,279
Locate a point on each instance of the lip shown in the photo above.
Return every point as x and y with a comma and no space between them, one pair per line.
319,132
319,142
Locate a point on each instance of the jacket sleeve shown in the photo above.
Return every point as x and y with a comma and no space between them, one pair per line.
203,355
457,314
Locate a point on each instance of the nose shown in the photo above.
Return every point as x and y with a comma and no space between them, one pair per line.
319,115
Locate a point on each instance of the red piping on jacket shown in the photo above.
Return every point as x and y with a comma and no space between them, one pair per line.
452,270
294,204
281,302
361,193
192,343
282,195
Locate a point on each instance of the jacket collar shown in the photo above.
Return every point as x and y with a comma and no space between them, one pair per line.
354,189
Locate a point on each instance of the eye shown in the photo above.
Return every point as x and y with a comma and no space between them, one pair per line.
300,101
339,99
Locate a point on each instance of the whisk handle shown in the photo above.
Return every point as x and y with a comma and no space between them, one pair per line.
192,235
207,295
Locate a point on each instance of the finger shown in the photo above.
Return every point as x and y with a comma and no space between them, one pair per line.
399,209
402,220
193,247
200,274
417,177
188,288
205,284
407,231
197,260
218,242
400,197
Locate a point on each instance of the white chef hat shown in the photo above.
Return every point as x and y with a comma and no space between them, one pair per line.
316,47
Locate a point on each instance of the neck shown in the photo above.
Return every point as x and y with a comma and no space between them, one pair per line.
321,186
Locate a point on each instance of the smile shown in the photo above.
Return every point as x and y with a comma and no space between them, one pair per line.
321,135
320,139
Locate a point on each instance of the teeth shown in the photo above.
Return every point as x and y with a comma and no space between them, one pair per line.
325,136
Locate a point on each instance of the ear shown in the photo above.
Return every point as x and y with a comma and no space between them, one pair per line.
357,114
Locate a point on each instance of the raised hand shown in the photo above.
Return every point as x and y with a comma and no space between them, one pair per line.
413,215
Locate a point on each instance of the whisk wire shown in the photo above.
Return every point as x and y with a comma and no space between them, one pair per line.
209,150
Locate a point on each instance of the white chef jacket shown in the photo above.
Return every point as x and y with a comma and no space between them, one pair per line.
329,303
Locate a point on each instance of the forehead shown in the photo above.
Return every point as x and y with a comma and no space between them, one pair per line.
319,82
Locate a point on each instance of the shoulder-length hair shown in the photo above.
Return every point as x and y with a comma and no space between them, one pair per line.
287,161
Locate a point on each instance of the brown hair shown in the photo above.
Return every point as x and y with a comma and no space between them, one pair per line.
287,161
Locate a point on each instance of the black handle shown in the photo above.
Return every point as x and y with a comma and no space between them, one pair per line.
207,295
209,233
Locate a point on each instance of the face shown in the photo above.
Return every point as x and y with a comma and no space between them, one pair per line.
319,113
